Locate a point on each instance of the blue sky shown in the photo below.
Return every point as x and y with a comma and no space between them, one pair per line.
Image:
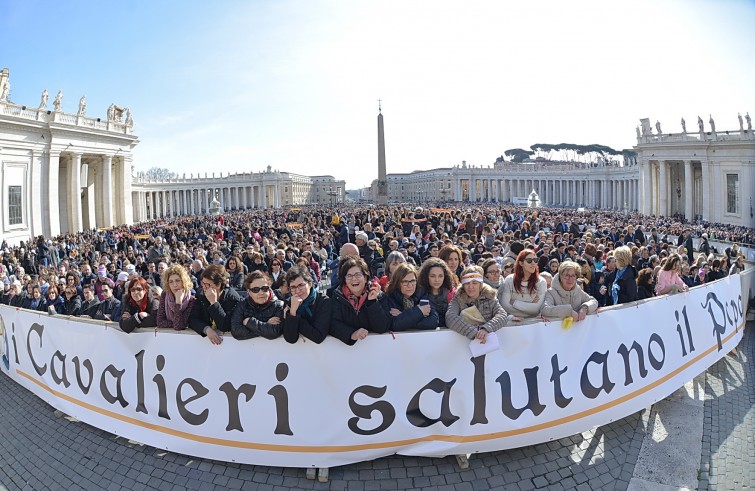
236,86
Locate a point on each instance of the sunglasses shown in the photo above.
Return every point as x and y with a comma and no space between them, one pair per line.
530,260
257,289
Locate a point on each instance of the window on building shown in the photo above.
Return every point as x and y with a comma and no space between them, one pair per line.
732,193
14,205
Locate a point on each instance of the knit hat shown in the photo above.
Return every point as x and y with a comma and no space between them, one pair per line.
122,276
101,272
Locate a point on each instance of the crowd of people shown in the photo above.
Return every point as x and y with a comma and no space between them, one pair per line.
348,272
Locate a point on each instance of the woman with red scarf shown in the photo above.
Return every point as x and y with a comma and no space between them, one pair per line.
139,306
356,305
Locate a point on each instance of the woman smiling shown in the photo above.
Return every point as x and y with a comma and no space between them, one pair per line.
523,293
356,304
309,313
476,295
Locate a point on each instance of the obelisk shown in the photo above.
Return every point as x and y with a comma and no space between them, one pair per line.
382,197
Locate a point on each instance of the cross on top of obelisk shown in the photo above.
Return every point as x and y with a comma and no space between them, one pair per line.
380,107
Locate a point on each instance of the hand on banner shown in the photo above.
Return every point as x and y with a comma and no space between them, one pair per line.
359,334
274,321
212,335
395,312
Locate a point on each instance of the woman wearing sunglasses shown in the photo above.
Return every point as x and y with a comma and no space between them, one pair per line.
309,313
261,314
523,293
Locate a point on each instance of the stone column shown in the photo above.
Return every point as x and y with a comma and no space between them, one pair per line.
706,189
52,224
74,193
689,195
663,194
106,196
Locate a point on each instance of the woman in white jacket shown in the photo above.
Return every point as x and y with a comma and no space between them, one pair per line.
523,293
565,299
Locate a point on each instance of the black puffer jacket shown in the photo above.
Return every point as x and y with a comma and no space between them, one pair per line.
316,328
128,325
203,314
346,320
258,316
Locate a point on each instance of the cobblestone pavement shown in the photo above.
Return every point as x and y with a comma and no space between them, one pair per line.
728,457
41,450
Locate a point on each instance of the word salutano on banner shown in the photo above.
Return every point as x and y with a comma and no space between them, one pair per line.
272,403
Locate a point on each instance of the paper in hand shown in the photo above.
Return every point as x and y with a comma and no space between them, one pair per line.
491,344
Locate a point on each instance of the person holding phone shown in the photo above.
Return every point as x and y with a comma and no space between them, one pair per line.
356,303
402,302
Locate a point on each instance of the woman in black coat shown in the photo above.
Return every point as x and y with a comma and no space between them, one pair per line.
624,287
309,313
139,305
214,305
356,305
261,314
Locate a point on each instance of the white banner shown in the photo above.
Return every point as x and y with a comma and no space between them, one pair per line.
272,403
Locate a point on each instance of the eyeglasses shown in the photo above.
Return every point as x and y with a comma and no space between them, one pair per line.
529,260
508,266
137,289
494,271
569,276
356,276
408,282
300,286
257,289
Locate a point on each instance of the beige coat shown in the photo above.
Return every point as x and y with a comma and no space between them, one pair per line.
560,303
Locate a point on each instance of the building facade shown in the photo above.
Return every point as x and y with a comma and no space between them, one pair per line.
266,189
61,171
65,171
563,184
704,175
708,175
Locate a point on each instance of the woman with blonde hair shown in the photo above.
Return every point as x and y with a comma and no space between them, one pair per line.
565,299
176,300
624,287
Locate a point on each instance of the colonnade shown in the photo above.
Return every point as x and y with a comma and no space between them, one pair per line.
84,191
676,187
613,194
149,205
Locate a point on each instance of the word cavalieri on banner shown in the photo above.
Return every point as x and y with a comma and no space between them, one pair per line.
420,393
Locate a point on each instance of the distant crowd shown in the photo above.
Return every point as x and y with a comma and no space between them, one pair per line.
351,271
